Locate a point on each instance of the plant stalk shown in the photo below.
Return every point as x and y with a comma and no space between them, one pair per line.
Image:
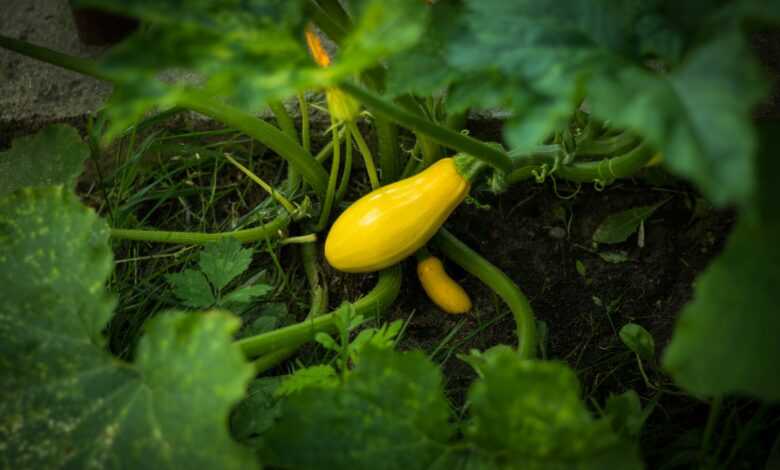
442,135
499,282
370,305
264,232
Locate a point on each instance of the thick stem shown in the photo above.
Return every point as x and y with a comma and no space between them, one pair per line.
372,304
499,282
270,230
607,169
469,167
440,134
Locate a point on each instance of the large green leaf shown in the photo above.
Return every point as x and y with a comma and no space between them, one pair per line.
53,156
543,52
539,59
726,340
688,113
424,69
391,413
528,414
248,52
66,402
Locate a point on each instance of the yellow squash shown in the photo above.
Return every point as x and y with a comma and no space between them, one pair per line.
447,294
392,222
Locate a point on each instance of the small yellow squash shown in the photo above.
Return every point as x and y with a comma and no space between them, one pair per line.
447,294
392,222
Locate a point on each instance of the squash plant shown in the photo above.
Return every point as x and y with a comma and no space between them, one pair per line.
594,91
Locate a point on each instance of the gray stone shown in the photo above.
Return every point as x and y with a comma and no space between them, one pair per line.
31,90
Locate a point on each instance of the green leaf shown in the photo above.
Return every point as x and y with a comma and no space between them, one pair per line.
260,325
725,340
66,402
639,340
223,261
256,413
54,260
249,52
390,413
686,113
51,157
424,69
192,288
618,227
625,412
528,414
244,295
271,316
319,376
534,58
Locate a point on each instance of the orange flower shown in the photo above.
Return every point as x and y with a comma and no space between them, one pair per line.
315,47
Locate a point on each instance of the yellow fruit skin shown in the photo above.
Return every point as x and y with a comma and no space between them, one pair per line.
441,289
392,222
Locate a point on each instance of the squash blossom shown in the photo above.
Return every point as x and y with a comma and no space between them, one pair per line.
341,106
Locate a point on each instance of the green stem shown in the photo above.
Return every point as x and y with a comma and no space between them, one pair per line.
287,126
430,152
76,64
387,140
442,135
278,197
272,359
607,169
299,239
543,154
372,304
709,428
334,175
413,162
347,173
366,152
614,145
468,166
327,150
311,170
499,282
284,120
263,232
457,121
305,125
319,303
